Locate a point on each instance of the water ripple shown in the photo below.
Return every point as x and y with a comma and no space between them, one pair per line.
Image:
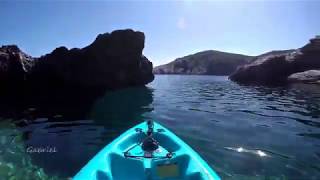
212,112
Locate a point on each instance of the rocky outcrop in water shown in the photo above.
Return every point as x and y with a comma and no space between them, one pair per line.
204,63
276,68
114,60
310,76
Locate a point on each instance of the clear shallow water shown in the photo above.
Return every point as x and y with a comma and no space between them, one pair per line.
242,131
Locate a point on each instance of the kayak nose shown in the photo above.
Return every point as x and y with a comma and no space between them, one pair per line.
157,155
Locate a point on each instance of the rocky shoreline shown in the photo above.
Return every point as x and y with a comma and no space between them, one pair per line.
281,68
278,67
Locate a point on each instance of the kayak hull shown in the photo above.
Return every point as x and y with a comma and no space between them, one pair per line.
111,163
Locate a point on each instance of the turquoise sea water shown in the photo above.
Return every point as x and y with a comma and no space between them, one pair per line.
242,131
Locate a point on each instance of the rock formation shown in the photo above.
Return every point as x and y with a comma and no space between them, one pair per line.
114,60
275,68
13,66
310,76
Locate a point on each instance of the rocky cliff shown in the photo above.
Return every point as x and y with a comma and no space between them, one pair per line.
204,63
276,68
14,64
114,60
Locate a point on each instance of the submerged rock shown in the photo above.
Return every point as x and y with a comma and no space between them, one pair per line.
275,68
15,162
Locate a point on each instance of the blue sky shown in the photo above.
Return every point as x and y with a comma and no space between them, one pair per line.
173,28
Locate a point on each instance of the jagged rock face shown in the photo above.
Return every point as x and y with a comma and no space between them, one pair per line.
14,64
268,68
275,68
113,61
67,81
310,76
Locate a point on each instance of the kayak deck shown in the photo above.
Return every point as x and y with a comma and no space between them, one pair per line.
124,158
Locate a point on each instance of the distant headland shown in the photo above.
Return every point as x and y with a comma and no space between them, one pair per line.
274,67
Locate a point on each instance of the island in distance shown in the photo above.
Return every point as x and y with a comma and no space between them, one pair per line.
274,67
209,62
